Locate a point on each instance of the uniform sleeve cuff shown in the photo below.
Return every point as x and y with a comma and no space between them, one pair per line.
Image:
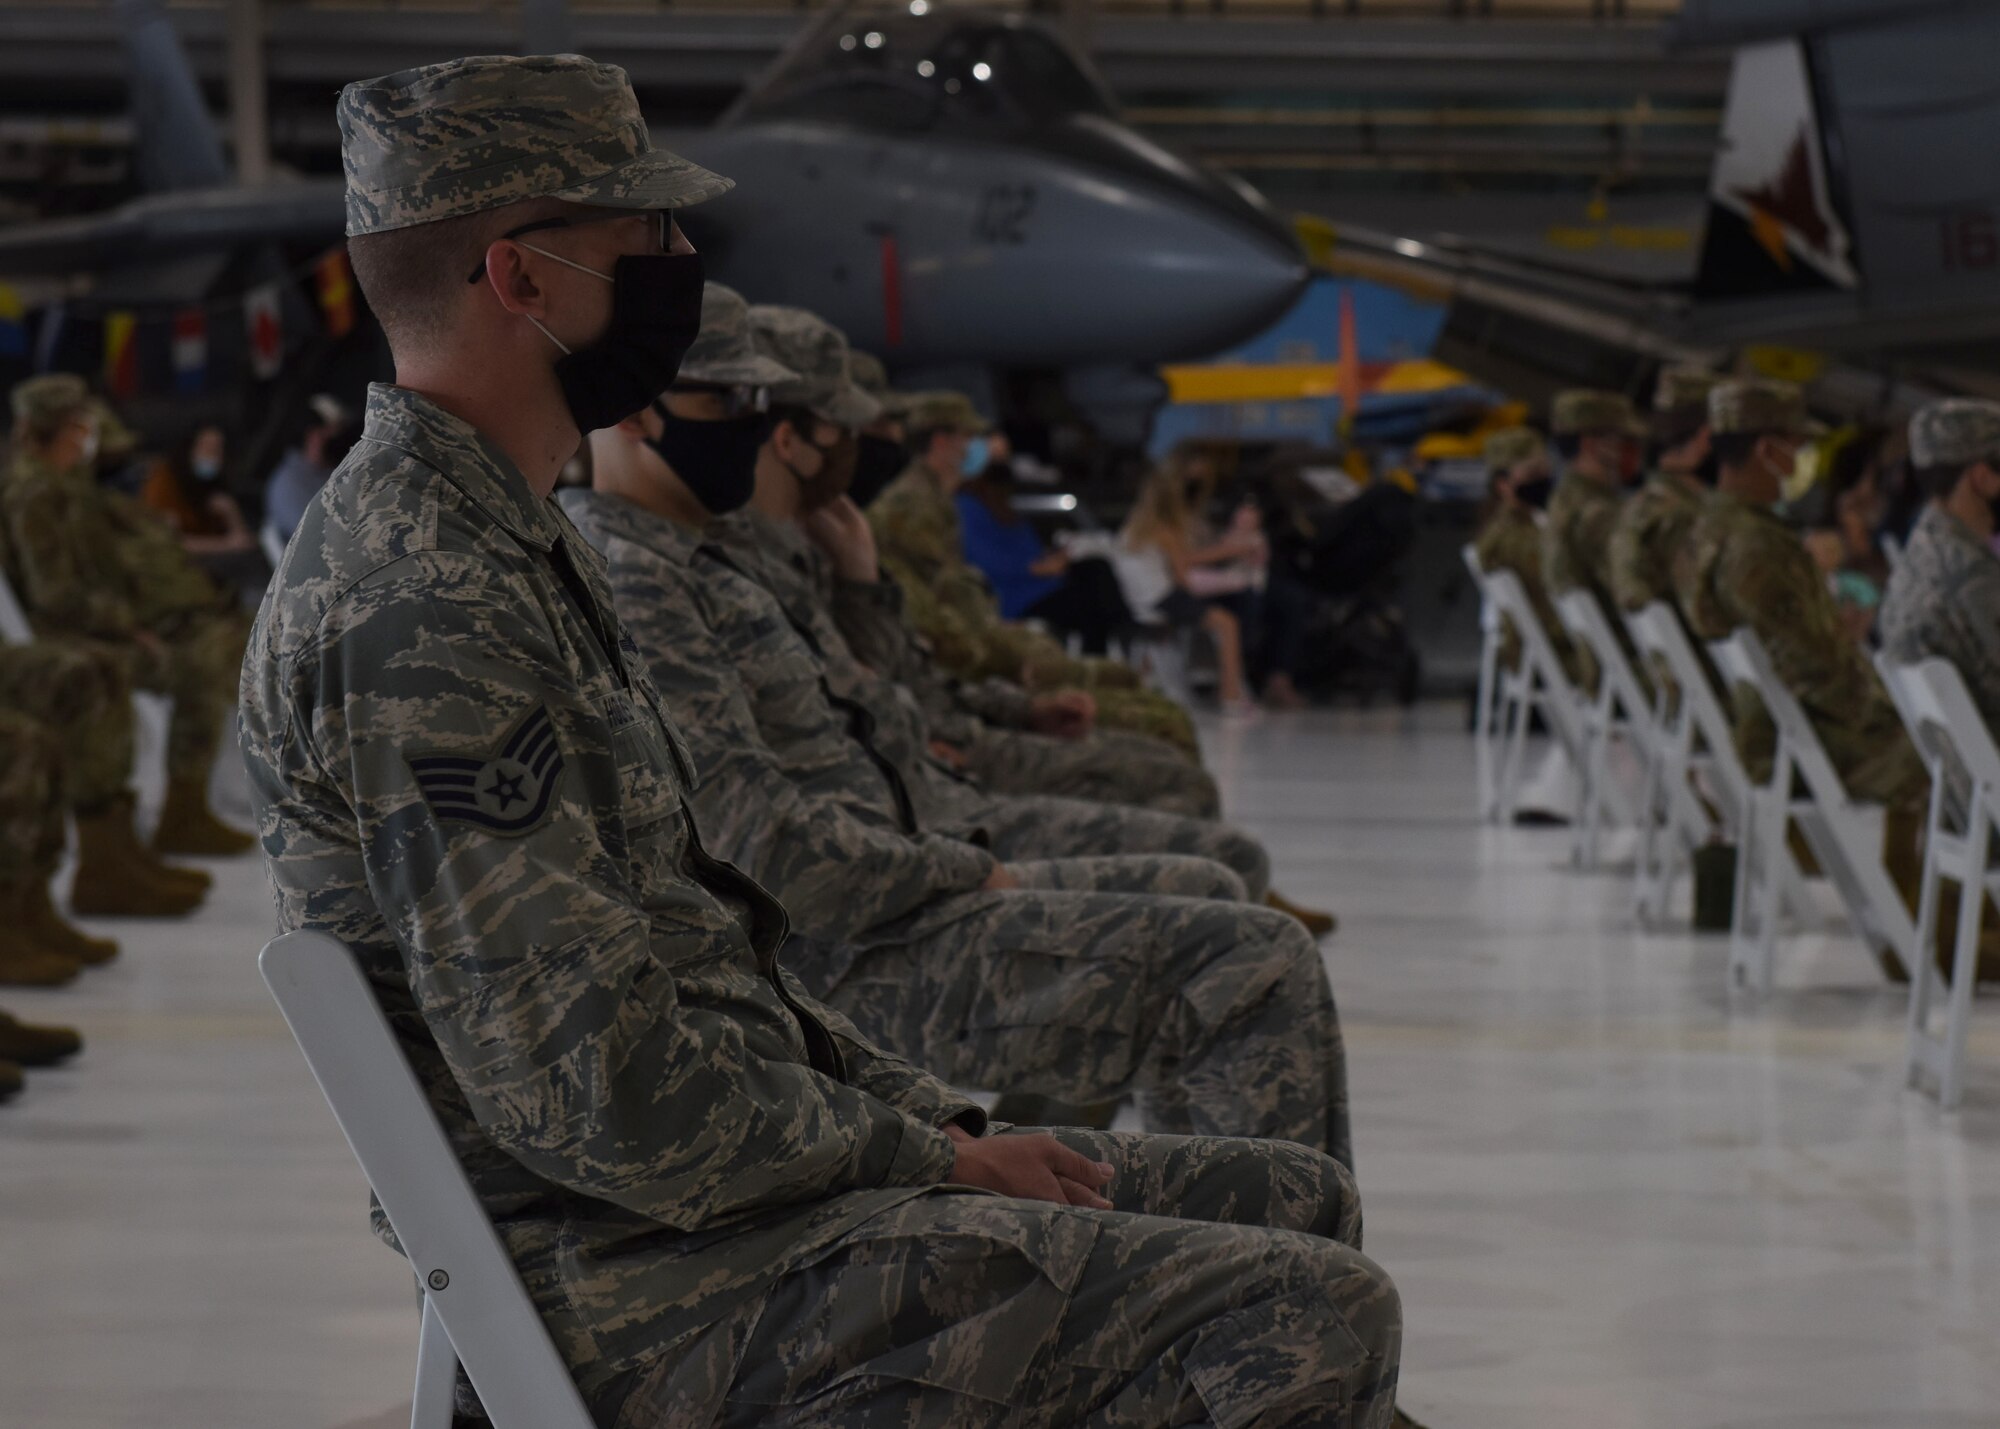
925,1157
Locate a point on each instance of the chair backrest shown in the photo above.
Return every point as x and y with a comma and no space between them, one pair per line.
273,544
1892,551
1657,631
1510,599
1943,721
1742,657
468,1278
14,626
1586,620
1489,612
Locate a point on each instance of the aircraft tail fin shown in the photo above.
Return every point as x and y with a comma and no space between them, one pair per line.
175,144
1776,224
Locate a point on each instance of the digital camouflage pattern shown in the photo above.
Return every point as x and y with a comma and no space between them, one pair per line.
1944,601
1745,567
1586,410
1576,554
921,547
1651,529
43,400
815,350
91,564
1216,1012
660,1122
1511,446
448,140
81,691
31,810
781,558
724,352
1680,389
1226,1287
987,721
1511,540
1741,408
1955,433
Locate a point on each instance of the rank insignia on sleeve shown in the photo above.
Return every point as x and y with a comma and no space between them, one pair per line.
507,793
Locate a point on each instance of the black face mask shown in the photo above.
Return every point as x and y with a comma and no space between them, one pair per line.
878,462
655,317
717,461
1534,493
1710,470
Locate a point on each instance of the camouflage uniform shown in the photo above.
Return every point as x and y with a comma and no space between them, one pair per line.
1576,540
80,690
31,810
778,556
463,770
1511,540
1652,526
96,565
1745,567
1944,599
1005,989
917,533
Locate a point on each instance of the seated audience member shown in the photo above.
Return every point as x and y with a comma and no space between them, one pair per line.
1598,437
1944,600
1077,597
1510,535
188,492
303,469
1844,540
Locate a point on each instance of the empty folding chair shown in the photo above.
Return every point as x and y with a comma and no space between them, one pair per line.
476,1312
1965,805
1510,699
273,544
1620,710
1844,834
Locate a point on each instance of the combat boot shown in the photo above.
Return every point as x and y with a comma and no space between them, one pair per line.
115,880
188,826
1320,925
25,960
40,920
116,838
11,1080
27,1045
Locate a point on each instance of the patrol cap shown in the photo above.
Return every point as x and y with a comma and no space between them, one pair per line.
1583,410
446,140
1741,408
945,411
114,438
868,373
725,351
1680,388
43,401
1955,433
817,353
1511,447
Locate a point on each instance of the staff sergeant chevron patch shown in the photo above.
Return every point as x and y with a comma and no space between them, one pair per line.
509,793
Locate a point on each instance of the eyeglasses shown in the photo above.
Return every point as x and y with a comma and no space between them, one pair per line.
671,239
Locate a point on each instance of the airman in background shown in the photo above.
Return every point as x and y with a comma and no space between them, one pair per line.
1653,524
1597,435
1517,465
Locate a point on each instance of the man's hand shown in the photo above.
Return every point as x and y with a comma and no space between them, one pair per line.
1035,1168
839,529
1066,714
1000,880
1055,563
947,753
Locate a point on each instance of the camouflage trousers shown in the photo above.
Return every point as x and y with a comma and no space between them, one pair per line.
1870,749
81,692
1225,1287
1023,829
1216,1016
1110,767
31,813
202,660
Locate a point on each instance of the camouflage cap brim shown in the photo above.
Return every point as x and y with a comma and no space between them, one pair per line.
850,407
755,370
655,179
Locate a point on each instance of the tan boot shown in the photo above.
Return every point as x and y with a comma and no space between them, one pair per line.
27,1045
114,880
1318,924
123,843
26,961
189,827
40,919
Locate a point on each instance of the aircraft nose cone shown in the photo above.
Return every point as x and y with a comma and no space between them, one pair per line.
1226,281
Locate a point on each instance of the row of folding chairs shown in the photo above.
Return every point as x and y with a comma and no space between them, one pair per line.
1696,790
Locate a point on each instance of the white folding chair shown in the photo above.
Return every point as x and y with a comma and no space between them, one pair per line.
1509,699
1845,834
476,1312
1965,806
273,544
1892,552
1620,710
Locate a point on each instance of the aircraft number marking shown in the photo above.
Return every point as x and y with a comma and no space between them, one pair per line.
1969,241
1004,211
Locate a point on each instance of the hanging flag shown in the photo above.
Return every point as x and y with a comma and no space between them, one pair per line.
336,293
190,350
13,325
1350,361
267,337
121,354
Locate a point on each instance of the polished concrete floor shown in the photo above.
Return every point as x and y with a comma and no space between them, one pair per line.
1614,1197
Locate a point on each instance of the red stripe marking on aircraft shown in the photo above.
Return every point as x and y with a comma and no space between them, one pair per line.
892,292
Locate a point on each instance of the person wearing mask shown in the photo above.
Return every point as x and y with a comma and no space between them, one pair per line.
1844,540
1597,436
722,1197
1510,534
303,470
94,566
189,493
1031,581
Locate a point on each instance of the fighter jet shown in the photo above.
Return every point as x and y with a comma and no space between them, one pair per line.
1853,213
